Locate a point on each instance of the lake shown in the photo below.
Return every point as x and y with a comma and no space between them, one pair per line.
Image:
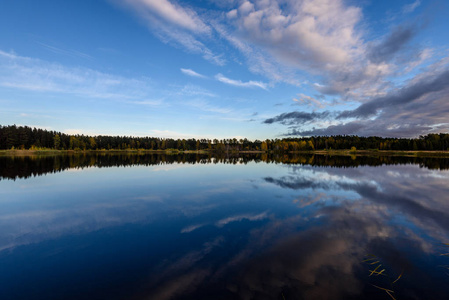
201,227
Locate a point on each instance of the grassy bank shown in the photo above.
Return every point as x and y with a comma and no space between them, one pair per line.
382,153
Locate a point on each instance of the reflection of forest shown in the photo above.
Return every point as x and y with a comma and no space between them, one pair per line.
13,167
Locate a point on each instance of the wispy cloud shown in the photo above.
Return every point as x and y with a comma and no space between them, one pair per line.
68,52
411,7
206,106
191,228
192,73
258,61
189,43
175,24
194,90
36,75
251,83
302,98
172,13
238,218
156,102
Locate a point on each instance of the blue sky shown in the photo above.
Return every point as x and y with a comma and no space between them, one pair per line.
224,69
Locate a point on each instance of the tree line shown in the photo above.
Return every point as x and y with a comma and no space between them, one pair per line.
24,137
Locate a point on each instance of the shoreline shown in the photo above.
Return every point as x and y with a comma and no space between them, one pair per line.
346,152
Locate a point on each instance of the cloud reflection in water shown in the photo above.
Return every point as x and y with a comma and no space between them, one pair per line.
302,233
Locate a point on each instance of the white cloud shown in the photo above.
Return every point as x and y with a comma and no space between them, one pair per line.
299,39
192,73
324,40
289,40
319,33
222,78
232,14
246,7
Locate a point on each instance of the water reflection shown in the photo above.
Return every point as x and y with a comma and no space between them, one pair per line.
232,229
14,167
399,215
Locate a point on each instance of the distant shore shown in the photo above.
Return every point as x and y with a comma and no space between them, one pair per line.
19,152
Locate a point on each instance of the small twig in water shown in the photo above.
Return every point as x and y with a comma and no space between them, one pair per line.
372,271
399,277
386,290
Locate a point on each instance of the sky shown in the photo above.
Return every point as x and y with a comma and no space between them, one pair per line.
259,69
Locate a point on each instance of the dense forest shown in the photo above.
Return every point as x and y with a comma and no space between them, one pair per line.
24,137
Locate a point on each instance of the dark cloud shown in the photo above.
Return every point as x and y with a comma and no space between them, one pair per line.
419,108
407,205
392,44
405,95
367,128
304,272
296,117
345,129
413,195
296,183
338,236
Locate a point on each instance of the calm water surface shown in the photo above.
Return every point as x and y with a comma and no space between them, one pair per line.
145,227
